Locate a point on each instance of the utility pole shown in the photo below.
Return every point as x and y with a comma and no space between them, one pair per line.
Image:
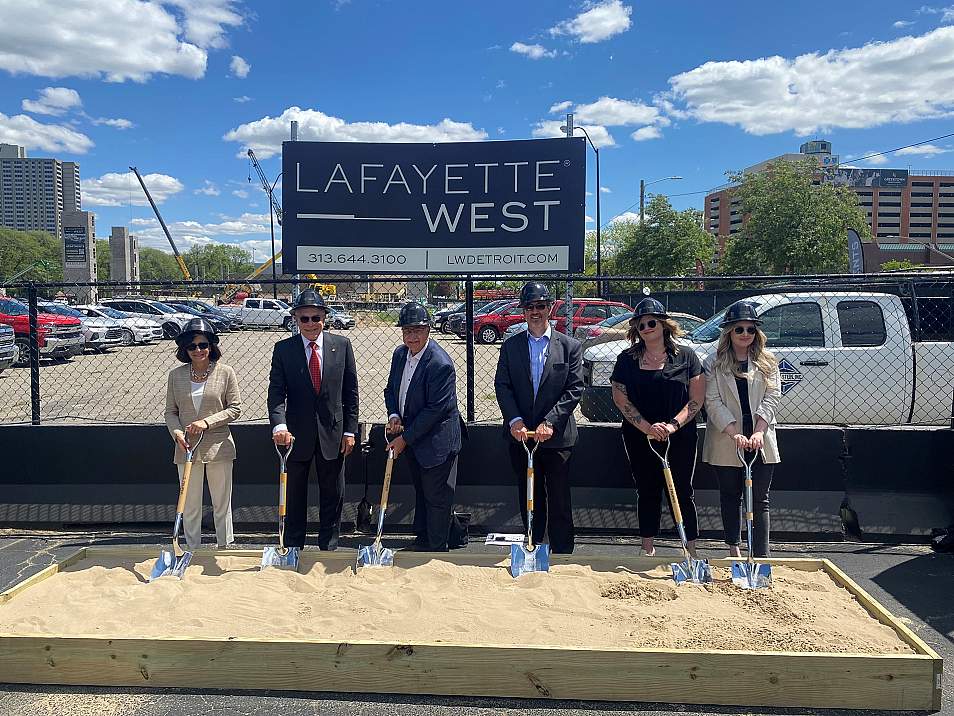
642,199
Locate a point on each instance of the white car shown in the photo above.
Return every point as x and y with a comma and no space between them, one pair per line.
99,332
135,329
173,321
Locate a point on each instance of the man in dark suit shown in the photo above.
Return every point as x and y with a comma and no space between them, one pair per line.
313,396
421,400
539,382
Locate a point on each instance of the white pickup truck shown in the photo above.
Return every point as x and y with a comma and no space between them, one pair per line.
260,313
846,358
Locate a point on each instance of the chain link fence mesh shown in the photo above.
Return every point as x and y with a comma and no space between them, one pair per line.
871,350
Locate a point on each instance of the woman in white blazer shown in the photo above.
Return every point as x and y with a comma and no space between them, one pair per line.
743,388
203,397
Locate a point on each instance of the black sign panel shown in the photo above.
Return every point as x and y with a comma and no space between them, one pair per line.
74,239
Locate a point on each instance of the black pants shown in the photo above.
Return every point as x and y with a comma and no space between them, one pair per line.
552,507
731,496
651,486
331,485
434,499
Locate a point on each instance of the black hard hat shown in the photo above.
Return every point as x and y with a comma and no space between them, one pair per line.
650,307
413,314
309,299
533,292
197,325
740,311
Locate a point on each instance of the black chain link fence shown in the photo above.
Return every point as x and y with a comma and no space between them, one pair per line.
870,350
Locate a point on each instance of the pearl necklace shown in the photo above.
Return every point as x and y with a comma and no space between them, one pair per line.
200,377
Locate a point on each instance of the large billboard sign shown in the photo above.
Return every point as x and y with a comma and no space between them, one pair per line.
883,178
74,244
454,208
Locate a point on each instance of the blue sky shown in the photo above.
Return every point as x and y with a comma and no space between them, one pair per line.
181,88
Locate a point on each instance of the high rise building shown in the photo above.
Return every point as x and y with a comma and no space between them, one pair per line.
123,256
36,192
79,254
910,212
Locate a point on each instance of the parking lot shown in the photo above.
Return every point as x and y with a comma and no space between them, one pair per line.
127,385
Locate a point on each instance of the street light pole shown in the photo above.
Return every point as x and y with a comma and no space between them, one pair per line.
569,128
642,193
271,227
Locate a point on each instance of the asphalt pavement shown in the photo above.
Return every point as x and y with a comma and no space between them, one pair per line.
912,582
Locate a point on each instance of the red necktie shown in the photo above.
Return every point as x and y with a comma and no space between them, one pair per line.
314,367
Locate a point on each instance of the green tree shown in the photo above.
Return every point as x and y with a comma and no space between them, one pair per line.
896,265
21,249
668,243
792,226
102,259
216,261
156,265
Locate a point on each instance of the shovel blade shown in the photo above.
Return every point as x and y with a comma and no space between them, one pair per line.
169,566
374,555
524,561
273,557
751,576
696,571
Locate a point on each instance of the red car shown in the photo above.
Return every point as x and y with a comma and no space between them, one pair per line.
59,337
587,311
489,327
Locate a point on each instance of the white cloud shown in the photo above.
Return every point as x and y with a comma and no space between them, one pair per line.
501,130
560,107
243,225
501,84
613,112
117,123
551,128
600,21
53,100
240,193
606,190
208,189
115,189
630,216
239,67
589,219
901,24
54,138
265,135
879,83
923,150
644,133
877,159
242,100
117,40
534,52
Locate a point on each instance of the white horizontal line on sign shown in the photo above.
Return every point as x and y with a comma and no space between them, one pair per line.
351,217
438,259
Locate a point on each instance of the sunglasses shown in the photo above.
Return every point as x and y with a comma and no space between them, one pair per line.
651,323
536,307
311,319
739,330
197,346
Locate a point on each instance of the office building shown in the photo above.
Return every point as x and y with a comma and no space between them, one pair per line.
35,192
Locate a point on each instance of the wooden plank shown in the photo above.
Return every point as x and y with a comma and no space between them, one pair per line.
45,573
725,678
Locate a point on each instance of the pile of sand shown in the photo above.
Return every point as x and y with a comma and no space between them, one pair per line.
438,602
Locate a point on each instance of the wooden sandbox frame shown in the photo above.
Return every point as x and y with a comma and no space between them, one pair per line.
740,678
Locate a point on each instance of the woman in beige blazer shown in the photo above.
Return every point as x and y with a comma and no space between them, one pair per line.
203,397
743,388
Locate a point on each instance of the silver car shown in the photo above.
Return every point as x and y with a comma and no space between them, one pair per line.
172,321
135,329
99,332
8,348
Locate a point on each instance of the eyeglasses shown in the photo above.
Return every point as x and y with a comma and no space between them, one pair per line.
311,319
197,346
739,330
651,323
536,307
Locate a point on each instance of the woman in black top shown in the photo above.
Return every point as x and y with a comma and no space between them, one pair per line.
659,388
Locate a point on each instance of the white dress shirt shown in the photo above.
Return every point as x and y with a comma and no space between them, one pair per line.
410,365
540,346
320,347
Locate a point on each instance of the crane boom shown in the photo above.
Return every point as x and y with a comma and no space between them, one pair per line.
175,249
276,207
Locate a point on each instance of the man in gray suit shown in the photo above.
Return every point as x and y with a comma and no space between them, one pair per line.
539,382
313,396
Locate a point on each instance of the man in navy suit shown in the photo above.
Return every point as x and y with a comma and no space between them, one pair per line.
313,397
539,382
421,400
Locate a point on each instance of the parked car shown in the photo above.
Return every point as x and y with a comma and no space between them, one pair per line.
489,327
834,350
587,311
204,308
439,319
615,328
135,329
172,320
260,313
8,347
99,333
221,323
519,328
340,319
455,322
59,337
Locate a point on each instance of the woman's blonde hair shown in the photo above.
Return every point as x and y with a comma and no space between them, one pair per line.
759,358
671,330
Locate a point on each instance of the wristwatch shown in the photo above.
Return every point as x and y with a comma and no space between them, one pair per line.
675,423
548,424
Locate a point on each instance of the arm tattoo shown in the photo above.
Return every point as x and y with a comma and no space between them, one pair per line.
693,408
629,411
